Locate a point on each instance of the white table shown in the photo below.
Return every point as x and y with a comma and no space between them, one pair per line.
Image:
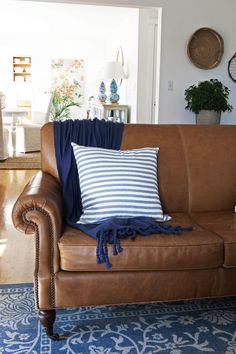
116,111
15,113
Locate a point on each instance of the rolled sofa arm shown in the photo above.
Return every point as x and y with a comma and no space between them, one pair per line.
39,210
42,194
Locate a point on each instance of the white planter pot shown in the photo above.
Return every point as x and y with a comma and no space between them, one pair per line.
208,117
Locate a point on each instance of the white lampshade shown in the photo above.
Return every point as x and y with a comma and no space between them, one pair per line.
113,70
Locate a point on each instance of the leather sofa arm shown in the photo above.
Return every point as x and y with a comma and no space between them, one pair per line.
43,195
39,210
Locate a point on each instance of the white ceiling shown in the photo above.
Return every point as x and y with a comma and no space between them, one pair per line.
91,21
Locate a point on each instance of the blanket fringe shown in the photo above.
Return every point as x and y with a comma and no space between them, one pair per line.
114,235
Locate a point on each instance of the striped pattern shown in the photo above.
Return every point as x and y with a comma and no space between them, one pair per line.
118,183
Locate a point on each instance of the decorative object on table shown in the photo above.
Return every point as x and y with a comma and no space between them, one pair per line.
67,87
114,97
205,48
113,70
102,89
208,99
232,68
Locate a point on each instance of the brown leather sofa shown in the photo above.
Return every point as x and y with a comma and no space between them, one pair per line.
197,183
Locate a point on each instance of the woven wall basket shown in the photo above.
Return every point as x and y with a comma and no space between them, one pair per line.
205,48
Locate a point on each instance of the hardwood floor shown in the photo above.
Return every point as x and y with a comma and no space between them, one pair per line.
16,249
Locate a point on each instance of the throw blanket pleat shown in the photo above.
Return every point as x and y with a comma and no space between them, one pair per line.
97,133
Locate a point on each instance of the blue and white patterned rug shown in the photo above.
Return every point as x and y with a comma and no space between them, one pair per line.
187,327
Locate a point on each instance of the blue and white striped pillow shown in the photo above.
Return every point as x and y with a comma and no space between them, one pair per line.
118,183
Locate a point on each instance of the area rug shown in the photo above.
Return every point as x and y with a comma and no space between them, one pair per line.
186,327
27,161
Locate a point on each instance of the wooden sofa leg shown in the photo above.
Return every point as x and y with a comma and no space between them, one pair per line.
47,319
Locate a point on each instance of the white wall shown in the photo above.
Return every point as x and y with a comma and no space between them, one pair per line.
125,35
46,31
180,19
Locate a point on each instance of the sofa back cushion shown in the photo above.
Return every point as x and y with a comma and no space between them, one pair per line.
210,153
196,163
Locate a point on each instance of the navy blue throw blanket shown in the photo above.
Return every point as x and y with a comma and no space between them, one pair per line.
96,133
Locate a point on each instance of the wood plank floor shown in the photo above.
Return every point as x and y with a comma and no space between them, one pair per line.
16,249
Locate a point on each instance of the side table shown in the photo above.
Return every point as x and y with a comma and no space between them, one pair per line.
15,113
109,111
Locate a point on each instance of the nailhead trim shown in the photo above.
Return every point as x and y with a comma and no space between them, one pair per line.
36,273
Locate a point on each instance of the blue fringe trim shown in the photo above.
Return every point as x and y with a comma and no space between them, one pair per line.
119,229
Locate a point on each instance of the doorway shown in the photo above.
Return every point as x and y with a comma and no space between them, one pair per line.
148,66
142,91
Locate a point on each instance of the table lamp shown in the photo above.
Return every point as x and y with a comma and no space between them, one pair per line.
113,70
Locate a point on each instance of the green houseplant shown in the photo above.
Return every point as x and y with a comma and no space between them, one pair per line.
207,100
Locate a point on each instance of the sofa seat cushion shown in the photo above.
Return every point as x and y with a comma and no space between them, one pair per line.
197,249
223,224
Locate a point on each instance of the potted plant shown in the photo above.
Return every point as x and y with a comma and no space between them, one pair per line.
207,100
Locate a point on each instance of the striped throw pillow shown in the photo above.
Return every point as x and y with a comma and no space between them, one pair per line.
118,183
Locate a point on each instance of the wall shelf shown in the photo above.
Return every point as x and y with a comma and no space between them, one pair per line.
22,68
22,65
22,74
